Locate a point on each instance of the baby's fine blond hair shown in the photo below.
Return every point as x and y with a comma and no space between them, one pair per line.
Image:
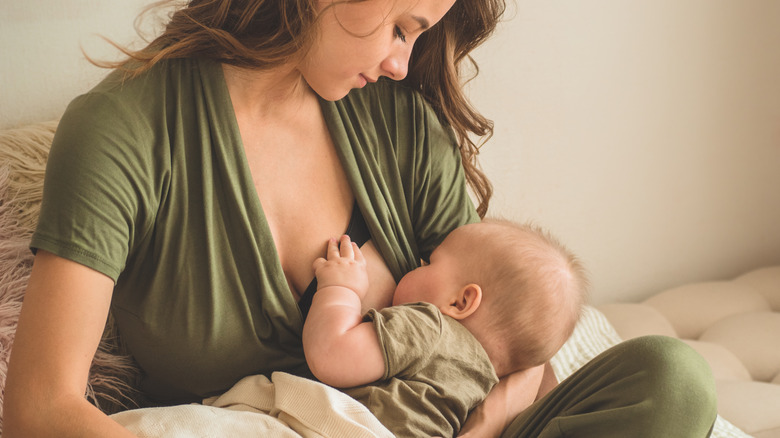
533,289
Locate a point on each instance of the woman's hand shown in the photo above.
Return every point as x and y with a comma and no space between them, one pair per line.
65,309
511,396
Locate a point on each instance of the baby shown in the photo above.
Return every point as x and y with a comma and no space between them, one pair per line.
496,298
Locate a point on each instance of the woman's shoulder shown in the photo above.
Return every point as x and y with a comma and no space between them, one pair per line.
140,103
122,87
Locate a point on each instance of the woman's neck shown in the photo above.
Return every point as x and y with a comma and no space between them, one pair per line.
266,93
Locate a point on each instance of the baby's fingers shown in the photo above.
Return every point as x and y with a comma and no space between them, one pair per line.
333,249
347,248
318,263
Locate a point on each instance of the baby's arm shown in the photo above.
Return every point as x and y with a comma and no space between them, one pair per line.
341,349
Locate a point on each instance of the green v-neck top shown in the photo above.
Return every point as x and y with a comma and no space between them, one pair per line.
147,182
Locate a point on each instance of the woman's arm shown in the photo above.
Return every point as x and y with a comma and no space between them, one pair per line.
511,396
60,326
341,350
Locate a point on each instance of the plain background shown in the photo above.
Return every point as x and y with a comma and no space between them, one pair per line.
645,134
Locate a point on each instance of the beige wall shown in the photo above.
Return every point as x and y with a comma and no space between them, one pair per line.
42,66
645,133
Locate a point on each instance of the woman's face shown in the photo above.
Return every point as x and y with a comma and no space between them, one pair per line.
360,41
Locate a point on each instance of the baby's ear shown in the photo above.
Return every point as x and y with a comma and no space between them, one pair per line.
464,302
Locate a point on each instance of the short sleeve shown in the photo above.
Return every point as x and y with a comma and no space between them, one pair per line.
441,198
97,192
408,335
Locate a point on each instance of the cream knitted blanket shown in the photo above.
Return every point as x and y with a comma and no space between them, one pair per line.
284,406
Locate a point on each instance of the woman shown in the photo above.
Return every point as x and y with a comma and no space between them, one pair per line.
190,192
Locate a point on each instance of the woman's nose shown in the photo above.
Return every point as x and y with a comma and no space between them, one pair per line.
396,64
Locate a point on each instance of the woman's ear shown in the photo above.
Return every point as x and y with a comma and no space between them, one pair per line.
464,302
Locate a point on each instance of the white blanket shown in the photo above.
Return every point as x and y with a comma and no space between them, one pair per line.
285,406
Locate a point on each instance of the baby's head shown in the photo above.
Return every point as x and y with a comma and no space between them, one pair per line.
515,287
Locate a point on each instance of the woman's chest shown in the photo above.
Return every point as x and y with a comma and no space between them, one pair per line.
306,199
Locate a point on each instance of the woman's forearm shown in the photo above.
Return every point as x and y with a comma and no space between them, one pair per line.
549,381
511,396
60,417
62,319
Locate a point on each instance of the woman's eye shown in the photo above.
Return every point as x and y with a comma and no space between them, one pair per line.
400,34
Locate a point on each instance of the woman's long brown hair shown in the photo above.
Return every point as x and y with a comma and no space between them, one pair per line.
464,27
261,34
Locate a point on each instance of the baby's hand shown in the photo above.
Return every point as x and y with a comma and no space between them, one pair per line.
345,267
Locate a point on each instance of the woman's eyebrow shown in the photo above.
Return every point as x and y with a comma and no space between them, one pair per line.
424,25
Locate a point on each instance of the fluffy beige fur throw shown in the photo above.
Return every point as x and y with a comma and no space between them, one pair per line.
23,154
